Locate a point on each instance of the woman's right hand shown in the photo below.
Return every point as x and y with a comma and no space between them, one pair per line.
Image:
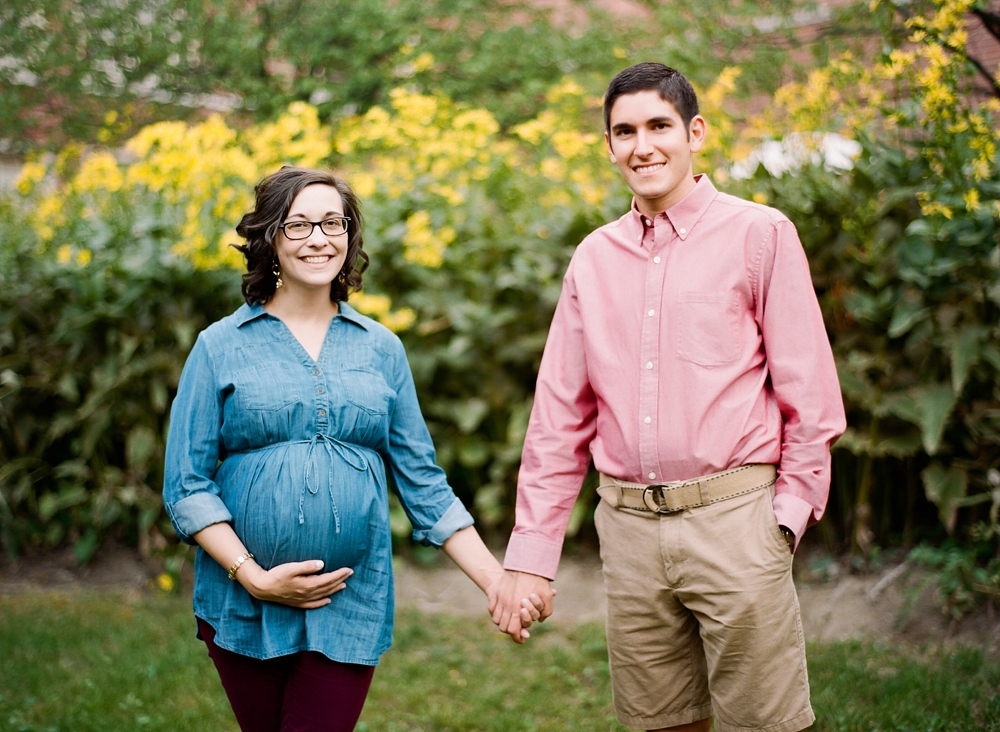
296,583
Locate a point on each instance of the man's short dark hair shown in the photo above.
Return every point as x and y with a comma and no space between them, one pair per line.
672,85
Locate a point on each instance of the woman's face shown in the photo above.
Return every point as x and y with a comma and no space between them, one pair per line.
313,262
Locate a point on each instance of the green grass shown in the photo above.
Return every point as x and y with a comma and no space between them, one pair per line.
130,662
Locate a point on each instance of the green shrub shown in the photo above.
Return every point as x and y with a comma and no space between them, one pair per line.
89,358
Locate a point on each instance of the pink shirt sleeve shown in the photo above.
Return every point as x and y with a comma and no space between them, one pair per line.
557,444
804,378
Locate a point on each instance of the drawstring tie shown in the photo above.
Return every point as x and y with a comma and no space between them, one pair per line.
351,455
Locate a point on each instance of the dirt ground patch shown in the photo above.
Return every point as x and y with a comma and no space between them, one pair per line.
895,603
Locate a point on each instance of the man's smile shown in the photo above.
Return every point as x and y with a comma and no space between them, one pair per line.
648,168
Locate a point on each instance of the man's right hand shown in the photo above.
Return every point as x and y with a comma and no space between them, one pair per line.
296,583
505,596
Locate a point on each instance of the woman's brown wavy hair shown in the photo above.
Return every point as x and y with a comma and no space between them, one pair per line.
273,198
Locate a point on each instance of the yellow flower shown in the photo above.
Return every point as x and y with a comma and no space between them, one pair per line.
422,62
399,320
83,257
971,198
64,254
554,169
371,305
165,582
421,245
31,175
99,172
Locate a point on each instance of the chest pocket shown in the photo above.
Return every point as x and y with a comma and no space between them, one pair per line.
262,383
367,390
708,328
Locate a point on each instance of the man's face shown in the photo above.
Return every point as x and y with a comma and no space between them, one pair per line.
652,149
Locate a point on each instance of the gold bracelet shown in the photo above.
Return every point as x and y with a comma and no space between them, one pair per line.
238,563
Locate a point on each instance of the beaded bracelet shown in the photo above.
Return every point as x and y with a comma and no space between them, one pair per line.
238,563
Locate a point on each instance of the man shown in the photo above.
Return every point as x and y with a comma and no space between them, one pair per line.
687,344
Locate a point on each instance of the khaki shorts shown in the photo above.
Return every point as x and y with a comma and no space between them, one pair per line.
703,618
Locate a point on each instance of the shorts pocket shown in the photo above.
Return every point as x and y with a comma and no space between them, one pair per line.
708,332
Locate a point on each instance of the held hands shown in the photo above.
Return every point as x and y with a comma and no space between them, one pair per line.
294,583
517,599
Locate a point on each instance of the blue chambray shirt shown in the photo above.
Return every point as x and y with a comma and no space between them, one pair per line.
292,453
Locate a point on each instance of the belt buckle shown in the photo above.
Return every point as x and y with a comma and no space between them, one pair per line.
653,499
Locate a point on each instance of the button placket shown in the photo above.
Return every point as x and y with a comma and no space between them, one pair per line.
321,400
655,241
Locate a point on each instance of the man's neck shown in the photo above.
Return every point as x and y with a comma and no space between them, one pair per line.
653,207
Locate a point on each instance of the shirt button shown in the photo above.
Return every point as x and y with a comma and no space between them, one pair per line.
315,372
320,390
656,260
649,420
683,231
651,312
649,364
652,476
322,413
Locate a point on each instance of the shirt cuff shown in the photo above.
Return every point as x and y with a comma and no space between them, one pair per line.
195,512
454,519
533,554
792,512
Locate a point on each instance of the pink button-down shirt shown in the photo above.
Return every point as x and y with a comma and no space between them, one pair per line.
681,346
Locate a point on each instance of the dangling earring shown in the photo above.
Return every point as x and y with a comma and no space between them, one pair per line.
342,277
277,273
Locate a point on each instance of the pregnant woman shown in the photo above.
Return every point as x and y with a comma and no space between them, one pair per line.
286,415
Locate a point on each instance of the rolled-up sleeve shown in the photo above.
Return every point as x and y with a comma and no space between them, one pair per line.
804,377
430,504
190,494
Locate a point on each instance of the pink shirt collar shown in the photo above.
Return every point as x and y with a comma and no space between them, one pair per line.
684,214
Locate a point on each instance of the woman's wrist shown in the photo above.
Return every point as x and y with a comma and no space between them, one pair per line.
250,576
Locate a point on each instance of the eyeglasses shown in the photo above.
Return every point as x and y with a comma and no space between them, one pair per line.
303,229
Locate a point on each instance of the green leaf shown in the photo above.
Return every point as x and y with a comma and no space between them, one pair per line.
898,447
935,404
158,395
903,405
965,353
907,314
576,517
47,507
991,353
945,488
470,413
68,389
855,385
489,503
399,523
473,452
140,446
86,545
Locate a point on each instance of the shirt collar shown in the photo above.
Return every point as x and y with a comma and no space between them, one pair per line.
684,214
349,313
246,313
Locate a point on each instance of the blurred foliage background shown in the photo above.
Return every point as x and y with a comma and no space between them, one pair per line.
472,132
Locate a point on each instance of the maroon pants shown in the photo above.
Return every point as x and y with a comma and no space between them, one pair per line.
302,692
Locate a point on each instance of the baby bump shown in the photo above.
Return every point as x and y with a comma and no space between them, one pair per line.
286,513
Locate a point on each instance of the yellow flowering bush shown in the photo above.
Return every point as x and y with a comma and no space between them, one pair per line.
903,249
124,256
